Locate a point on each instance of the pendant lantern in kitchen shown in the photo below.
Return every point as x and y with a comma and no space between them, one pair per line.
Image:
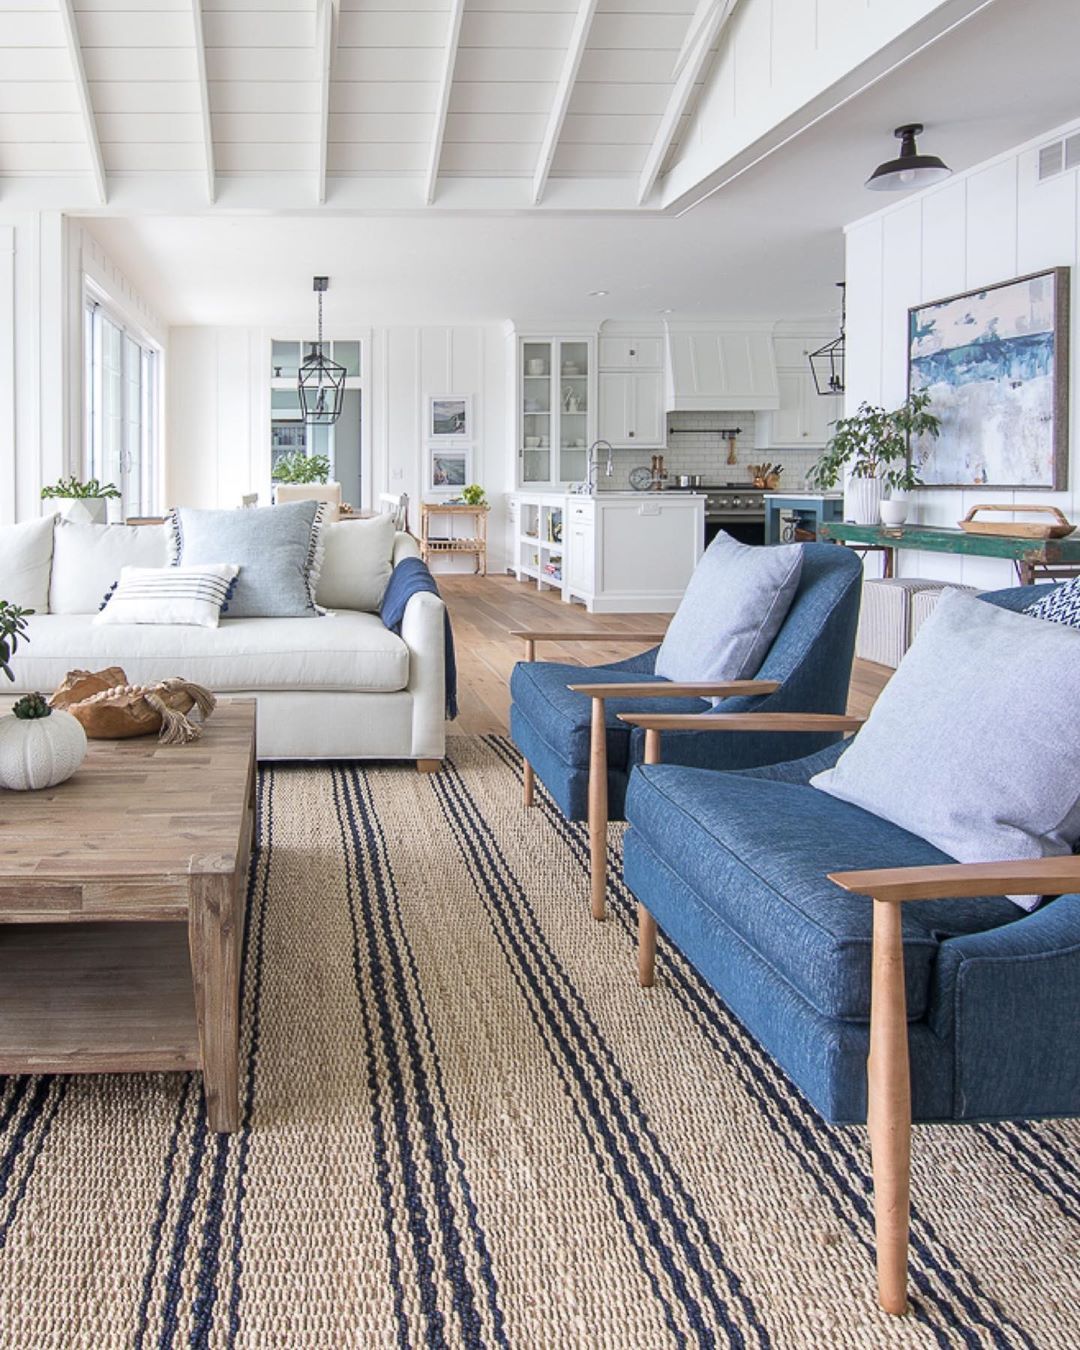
322,381
827,363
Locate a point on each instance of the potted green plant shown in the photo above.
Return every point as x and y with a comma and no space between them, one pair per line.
87,502
300,468
473,495
871,448
39,746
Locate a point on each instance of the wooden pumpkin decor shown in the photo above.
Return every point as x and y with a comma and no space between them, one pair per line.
109,708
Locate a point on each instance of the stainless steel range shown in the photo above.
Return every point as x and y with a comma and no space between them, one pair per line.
736,508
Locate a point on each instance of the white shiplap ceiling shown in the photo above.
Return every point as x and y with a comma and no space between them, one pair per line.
520,95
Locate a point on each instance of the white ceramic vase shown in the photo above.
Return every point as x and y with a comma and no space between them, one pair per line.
86,510
862,500
39,752
894,510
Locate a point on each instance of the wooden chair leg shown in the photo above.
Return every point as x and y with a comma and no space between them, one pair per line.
646,960
598,810
528,780
428,765
889,1107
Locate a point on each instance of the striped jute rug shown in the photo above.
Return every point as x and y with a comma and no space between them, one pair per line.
465,1125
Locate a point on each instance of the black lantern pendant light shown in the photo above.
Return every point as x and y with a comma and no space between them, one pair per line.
827,363
322,381
910,170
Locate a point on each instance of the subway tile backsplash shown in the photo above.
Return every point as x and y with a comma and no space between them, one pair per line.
694,445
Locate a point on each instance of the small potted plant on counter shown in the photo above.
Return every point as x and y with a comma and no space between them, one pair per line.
39,747
87,502
871,447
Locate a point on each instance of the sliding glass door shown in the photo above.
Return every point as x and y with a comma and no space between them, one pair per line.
121,410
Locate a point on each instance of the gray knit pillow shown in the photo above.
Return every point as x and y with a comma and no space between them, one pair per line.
277,548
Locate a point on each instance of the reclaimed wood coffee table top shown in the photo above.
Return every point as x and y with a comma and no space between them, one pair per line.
137,811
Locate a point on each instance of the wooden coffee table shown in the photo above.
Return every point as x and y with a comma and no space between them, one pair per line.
122,898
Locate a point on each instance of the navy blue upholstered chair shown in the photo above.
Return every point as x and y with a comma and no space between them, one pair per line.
966,1007
565,719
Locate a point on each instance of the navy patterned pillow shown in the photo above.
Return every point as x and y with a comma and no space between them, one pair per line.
1061,605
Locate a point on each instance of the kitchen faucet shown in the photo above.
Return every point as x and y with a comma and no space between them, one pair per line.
594,463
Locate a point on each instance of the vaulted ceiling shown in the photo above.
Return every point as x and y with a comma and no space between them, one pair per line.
514,95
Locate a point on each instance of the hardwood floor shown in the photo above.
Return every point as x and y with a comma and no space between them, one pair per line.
485,609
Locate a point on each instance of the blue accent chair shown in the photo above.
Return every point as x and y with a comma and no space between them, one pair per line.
965,1007
571,737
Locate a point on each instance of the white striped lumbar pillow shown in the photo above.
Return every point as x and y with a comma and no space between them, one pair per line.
190,595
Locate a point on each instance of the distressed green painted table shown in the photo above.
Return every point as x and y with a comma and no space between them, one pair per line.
1034,559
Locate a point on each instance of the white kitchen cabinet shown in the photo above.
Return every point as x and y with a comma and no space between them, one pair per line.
632,552
630,353
556,418
632,408
804,416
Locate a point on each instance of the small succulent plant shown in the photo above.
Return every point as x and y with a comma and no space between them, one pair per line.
30,707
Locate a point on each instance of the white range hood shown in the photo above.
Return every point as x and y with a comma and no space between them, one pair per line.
720,367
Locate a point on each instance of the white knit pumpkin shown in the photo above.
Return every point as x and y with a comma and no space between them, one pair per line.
39,752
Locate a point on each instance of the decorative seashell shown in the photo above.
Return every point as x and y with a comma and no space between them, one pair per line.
39,752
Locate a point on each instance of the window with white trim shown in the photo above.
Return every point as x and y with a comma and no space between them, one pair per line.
120,394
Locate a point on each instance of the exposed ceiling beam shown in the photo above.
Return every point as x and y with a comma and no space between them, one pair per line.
691,72
442,107
326,36
575,50
204,101
700,17
74,46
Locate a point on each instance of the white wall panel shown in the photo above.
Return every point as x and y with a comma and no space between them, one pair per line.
991,223
944,235
902,287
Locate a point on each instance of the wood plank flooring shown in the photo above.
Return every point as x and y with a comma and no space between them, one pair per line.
485,609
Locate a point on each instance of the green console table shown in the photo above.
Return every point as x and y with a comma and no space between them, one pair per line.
1034,559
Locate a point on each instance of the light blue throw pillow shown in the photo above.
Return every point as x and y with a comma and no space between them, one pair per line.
733,608
277,549
974,744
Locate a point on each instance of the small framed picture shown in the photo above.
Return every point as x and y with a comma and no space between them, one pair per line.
450,469
450,417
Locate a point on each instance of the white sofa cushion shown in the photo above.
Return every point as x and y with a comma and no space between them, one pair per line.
357,562
344,651
25,561
163,595
87,560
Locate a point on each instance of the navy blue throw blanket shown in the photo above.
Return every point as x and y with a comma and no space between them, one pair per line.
407,579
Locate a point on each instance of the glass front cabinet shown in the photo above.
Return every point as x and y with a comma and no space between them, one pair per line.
556,419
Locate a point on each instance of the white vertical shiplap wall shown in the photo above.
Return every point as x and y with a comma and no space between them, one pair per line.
218,413
989,224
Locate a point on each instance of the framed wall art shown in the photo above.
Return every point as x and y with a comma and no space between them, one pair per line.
995,362
449,417
449,468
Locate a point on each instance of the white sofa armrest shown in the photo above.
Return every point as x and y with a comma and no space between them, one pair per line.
422,631
405,546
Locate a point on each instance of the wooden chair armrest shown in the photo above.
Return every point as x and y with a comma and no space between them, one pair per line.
746,721
683,689
1036,876
569,635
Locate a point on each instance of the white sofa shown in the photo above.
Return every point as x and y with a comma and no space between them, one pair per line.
338,686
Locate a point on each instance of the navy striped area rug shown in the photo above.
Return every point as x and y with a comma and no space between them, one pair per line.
465,1125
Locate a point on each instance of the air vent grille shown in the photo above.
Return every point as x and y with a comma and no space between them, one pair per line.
1059,157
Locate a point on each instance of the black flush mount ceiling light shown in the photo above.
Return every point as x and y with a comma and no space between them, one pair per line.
827,363
322,381
910,170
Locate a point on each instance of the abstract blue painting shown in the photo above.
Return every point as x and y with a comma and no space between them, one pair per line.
995,363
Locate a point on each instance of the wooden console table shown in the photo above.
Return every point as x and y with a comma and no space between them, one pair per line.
1034,559
475,543
122,897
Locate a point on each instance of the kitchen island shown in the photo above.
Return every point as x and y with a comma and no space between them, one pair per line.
613,552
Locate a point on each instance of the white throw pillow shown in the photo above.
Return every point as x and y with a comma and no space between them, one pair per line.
736,601
87,560
974,744
357,561
185,595
25,562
